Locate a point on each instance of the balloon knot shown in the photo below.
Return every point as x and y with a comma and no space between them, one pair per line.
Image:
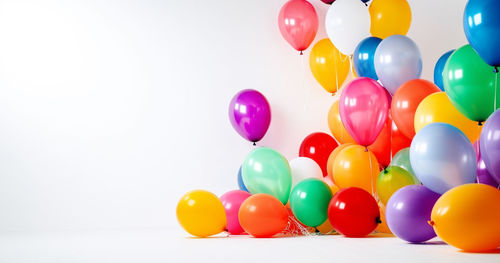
254,144
480,123
366,149
366,4
385,170
301,53
378,221
495,69
431,223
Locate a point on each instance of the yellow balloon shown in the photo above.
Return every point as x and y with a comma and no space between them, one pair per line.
389,17
468,217
201,213
352,168
336,126
437,107
328,66
332,157
392,179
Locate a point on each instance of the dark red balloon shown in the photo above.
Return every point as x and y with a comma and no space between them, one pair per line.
318,147
328,2
353,212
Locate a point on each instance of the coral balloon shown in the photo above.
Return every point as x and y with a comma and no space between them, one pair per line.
309,201
250,114
354,212
405,102
336,126
328,66
355,167
318,147
332,157
438,108
389,17
298,23
467,217
364,107
201,213
262,215
392,179
232,201
303,168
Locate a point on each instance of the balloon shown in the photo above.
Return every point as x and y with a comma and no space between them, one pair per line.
333,188
328,66
363,109
347,22
336,126
408,212
353,212
482,29
250,114
490,145
483,176
438,108
201,213
468,216
298,23
470,84
325,228
332,157
382,227
267,171
442,157
355,167
399,140
309,201
303,168
232,201
389,17
397,60
438,69
318,147
392,179
262,215
405,103
241,185
402,159
328,2
364,55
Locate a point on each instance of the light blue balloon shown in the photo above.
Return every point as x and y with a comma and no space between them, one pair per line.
241,184
442,157
397,60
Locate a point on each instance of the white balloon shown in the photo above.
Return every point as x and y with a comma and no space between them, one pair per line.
303,168
347,23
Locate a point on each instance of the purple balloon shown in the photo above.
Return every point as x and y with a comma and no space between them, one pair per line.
250,114
490,145
483,175
408,211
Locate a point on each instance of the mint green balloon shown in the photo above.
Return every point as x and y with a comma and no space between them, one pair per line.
267,171
402,159
309,201
470,84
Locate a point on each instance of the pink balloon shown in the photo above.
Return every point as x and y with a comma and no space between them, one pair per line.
298,23
364,106
232,201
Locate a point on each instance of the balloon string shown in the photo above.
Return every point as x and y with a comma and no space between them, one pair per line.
371,168
303,84
495,99
336,70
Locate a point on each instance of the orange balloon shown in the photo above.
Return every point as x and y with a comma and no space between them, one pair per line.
354,166
332,157
336,126
468,217
382,227
405,102
262,215
328,66
326,227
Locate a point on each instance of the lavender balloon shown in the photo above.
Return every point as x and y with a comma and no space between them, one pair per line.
483,175
250,114
490,145
408,211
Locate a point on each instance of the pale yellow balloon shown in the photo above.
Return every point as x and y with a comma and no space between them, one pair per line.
437,107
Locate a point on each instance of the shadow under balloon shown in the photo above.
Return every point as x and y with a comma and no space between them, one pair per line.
494,251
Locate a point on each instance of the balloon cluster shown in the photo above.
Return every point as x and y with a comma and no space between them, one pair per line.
405,157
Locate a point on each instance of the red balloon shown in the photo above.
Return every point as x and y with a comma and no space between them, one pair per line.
353,212
328,2
318,146
388,143
298,23
405,102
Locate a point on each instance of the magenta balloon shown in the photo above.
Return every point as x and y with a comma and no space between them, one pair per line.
364,106
250,114
232,201
483,176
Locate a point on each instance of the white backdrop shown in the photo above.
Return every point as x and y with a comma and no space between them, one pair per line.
111,110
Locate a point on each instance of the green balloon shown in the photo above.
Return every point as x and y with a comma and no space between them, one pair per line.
470,84
309,201
402,159
267,171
